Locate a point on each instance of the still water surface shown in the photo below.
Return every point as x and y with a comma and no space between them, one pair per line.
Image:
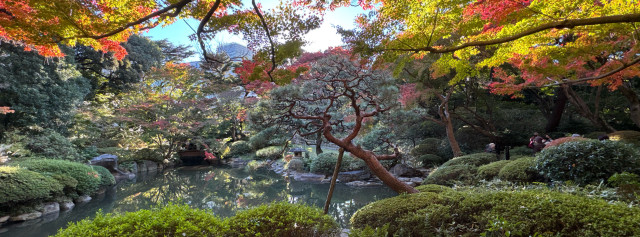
222,190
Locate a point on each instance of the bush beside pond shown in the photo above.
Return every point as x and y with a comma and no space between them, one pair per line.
88,179
276,219
522,213
587,161
106,178
325,163
269,153
20,186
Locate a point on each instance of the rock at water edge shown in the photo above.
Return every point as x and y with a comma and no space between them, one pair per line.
26,216
82,199
65,206
51,207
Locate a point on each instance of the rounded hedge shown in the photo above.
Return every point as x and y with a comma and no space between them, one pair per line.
426,146
18,186
106,178
491,170
171,220
520,170
520,151
587,161
325,163
476,159
269,153
88,179
521,213
238,148
450,175
281,219
431,160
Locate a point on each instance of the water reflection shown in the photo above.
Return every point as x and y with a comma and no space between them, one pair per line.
222,190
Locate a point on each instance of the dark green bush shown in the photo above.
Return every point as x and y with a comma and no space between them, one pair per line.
46,143
325,163
522,213
491,170
520,170
265,138
520,151
88,179
281,219
106,178
171,220
147,154
627,136
587,161
269,153
237,148
627,184
471,140
476,159
70,184
19,186
431,160
449,175
426,146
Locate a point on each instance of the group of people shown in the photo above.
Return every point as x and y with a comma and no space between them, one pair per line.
537,142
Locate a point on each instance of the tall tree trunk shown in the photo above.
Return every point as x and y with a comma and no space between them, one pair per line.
634,102
319,143
553,120
334,177
445,117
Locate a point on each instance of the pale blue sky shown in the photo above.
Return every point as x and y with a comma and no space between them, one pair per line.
320,39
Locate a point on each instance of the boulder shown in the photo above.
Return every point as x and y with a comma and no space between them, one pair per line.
151,166
26,216
51,207
4,219
351,176
65,206
51,217
402,170
82,199
308,177
108,161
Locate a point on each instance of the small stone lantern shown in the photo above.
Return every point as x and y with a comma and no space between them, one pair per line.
297,152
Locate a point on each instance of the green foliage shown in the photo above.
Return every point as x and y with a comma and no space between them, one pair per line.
426,146
269,153
587,161
123,154
476,159
20,186
70,184
367,231
431,160
451,174
88,179
45,143
325,163
237,148
470,139
147,154
628,136
42,92
520,170
434,188
628,185
491,170
472,212
171,220
106,178
266,137
520,151
281,219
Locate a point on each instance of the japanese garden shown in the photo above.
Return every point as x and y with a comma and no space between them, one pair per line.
319,118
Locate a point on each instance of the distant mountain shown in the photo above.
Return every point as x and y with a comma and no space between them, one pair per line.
235,51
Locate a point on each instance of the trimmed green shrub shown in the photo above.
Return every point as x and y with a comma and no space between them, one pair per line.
476,159
434,188
491,170
106,178
237,148
18,186
521,213
326,163
449,175
627,136
627,184
88,179
431,160
70,184
587,161
520,151
266,137
281,219
171,220
520,170
426,146
269,153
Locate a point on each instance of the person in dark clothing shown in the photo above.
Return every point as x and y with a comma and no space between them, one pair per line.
538,143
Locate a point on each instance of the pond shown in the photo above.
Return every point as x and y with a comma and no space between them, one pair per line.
222,190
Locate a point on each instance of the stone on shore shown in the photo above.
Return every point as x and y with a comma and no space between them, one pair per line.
26,216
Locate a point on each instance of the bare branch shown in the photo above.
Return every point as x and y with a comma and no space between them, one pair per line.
266,29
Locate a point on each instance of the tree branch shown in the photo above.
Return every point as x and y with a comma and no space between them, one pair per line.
266,29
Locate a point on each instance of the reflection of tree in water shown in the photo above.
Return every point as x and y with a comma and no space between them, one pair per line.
226,190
